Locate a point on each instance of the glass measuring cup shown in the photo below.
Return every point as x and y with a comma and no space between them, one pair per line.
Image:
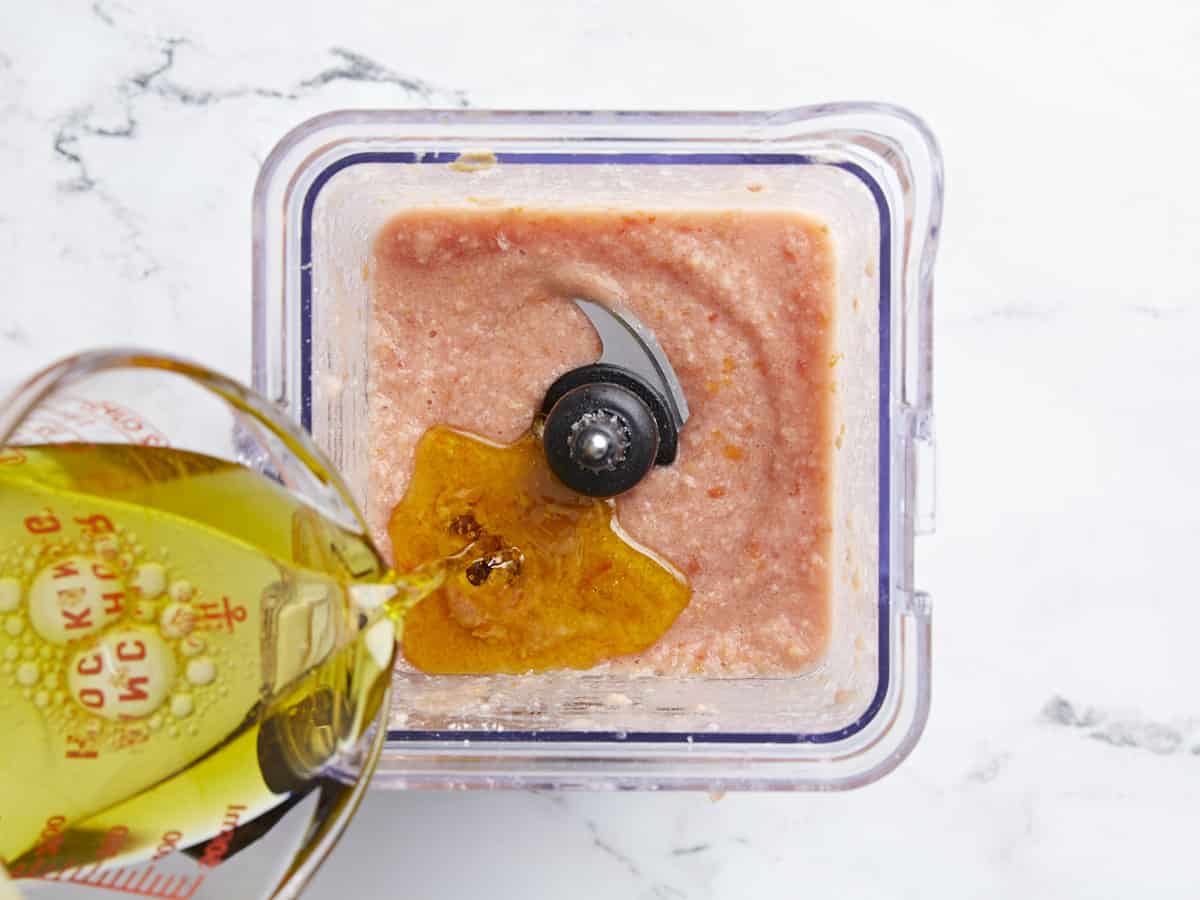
188,666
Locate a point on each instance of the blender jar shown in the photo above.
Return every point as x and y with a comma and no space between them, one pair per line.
872,175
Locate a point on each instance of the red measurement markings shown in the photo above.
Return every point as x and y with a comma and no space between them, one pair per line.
130,687
143,881
11,456
103,572
97,524
81,747
126,421
92,698
216,849
46,850
51,839
114,841
48,430
168,845
114,602
43,524
75,621
75,593
76,419
214,617
56,421
133,687
65,408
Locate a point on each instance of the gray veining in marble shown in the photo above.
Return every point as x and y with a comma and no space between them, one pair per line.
1062,757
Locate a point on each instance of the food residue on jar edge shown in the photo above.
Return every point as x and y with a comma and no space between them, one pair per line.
473,161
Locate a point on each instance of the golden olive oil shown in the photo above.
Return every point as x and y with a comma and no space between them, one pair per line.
554,583
182,650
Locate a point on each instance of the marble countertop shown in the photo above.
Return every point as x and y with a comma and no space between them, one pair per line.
1062,757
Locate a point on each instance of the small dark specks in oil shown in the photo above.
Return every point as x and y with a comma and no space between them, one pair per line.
466,526
509,561
479,571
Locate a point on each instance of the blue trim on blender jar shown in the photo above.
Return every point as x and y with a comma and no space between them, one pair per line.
885,327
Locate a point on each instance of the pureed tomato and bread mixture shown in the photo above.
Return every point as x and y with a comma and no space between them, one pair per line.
473,320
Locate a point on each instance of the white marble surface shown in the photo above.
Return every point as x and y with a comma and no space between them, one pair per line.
1063,754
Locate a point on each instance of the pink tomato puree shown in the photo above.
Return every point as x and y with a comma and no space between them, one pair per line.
472,321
